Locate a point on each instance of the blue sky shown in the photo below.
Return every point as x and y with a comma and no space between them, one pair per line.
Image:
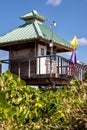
70,17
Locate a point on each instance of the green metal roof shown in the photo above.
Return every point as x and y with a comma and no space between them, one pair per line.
33,29
24,32
47,34
34,15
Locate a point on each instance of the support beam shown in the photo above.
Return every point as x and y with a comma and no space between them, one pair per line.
28,68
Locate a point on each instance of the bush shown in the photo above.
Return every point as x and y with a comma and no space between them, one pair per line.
23,107
85,76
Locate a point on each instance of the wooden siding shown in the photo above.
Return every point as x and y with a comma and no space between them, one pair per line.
22,52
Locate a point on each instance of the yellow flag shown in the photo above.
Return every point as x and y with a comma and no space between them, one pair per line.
74,42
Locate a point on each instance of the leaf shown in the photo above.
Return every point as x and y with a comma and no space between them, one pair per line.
19,100
2,98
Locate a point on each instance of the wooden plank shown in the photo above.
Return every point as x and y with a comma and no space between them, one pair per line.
19,70
47,81
29,68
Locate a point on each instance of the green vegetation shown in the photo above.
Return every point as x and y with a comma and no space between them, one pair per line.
85,76
26,108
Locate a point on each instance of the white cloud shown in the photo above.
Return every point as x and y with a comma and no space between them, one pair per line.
53,2
82,41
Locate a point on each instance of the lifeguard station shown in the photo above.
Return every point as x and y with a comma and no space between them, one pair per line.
34,53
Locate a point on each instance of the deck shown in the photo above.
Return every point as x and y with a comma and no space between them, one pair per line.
49,70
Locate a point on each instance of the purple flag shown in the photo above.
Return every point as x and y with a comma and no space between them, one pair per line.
73,57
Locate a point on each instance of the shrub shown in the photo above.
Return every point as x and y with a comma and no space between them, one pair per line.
23,107
85,76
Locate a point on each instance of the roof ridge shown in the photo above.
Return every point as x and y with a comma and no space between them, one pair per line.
33,15
37,28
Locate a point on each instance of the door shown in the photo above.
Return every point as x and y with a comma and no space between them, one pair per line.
41,66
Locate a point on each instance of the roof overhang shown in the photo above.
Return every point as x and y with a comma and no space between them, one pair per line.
6,46
59,47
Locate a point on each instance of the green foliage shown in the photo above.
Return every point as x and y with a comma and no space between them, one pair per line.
23,107
85,76
75,82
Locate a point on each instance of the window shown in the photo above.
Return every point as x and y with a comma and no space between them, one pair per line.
42,51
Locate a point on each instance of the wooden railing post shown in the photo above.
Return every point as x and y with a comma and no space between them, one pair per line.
51,66
39,65
58,66
19,69
29,68
61,65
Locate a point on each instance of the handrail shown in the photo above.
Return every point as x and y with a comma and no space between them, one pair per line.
35,58
44,65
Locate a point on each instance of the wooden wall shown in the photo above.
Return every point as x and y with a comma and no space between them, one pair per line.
21,59
22,51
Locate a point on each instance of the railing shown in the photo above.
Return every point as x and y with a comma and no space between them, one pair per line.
43,66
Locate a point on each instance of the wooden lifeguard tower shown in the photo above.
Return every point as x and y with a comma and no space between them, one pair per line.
32,58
